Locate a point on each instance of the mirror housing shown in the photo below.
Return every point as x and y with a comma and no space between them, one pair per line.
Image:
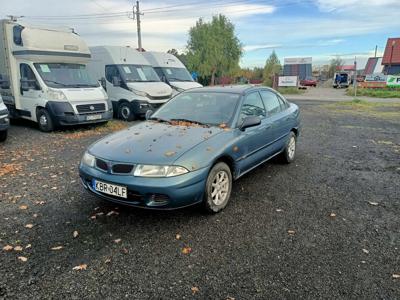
250,122
148,114
103,83
116,81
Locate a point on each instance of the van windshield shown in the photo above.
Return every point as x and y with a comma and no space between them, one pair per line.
59,75
138,73
177,74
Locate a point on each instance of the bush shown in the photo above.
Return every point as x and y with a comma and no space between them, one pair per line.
377,93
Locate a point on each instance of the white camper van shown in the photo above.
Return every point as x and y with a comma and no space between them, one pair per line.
171,70
47,78
4,122
130,81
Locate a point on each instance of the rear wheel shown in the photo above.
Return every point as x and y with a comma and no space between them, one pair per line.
289,152
3,135
125,112
218,188
44,120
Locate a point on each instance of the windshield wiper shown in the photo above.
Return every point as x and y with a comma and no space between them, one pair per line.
56,82
83,85
191,121
175,79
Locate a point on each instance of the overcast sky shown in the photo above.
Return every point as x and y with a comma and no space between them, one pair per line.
317,28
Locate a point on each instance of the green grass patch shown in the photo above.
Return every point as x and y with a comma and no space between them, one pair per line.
376,93
290,91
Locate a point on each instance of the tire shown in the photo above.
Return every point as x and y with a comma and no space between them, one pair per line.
215,204
44,120
125,112
289,153
3,135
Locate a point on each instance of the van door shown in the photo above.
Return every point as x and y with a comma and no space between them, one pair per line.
30,97
113,92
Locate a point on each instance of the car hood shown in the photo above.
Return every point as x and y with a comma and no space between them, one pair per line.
154,89
152,143
185,85
84,94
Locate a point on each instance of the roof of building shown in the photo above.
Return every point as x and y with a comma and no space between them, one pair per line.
392,52
373,65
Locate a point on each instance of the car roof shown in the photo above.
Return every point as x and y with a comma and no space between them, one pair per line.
235,89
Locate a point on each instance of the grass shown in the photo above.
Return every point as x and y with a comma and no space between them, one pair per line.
376,93
290,91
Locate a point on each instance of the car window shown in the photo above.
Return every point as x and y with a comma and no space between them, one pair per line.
252,106
271,102
27,73
111,72
284,104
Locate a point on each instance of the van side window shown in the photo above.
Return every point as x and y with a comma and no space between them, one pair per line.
252,106
271,102
17,37
111,72
27,73
159,72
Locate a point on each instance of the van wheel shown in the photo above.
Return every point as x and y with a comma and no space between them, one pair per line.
289,152
44,120
218,188
3,135
125,112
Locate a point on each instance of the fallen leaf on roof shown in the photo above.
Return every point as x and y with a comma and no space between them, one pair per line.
23,207
29,226
22,258
186,250
80,267
169,153
8,248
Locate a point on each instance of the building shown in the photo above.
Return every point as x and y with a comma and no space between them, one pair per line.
373,66
391,57
298,66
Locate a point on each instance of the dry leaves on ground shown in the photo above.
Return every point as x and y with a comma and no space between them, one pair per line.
75,234
291,232
373,203
22,258
56,248
29,226
18,248
80,267
186,250
194,289
178,236
117,241
8,248
23,207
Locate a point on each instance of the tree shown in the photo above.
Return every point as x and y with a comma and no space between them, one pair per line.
334,65
213,48
181,56
272,67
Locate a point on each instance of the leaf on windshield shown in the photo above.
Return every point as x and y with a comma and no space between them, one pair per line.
169,153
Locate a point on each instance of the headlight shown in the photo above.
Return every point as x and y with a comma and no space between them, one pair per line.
56,95
139,93
88,159
159,171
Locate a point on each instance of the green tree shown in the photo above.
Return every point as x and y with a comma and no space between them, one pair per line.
335,63
272,67
213,48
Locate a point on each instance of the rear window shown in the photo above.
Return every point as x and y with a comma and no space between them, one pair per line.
17,34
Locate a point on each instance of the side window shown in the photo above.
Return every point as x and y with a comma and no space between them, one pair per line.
271,102
252,106
27,74
284,104
159,72
111,72
17,37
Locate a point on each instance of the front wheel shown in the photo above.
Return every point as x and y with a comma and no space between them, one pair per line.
125,112
44,120
3,135
289,152
218,188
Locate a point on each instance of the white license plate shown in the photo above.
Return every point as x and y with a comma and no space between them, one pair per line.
110,189
93,117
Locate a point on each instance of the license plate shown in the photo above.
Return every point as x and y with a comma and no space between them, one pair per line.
110,189
93,117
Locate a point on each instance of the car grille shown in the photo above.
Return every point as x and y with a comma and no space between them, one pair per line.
90,108
115,168
159,97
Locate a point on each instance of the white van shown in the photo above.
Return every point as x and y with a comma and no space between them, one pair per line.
4,121
171,70
130,81
47,78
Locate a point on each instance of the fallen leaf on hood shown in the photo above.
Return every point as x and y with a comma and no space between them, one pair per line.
186,250
396,276
56,248
111,213
23,207
291,232
18,248
169,153
373,203
223,125
8,248
22,258
75,234
117,241
29,226
178,236
194,289
80,267
332,215
365,251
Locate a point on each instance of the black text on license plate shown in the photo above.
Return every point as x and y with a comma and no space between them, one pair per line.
110,189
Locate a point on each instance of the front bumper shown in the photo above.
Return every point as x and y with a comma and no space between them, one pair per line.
4,120
156,193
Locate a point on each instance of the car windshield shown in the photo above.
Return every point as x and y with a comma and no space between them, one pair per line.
138,73
209,108
177,74
59,75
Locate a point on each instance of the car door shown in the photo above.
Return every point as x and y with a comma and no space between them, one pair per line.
254,141
277,114
31,97
114,93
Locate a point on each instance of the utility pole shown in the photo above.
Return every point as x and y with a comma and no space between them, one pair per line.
355,77
137,14
376,50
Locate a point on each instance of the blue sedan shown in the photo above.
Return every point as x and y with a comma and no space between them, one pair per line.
191,149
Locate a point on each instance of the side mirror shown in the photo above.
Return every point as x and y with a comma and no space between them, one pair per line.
250,122
116,81
25,86
4,82
148,114
103,83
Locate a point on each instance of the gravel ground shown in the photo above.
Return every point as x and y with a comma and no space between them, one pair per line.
326,226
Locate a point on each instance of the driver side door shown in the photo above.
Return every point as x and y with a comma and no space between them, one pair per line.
30,98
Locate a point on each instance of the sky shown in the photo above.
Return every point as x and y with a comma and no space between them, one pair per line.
321,29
